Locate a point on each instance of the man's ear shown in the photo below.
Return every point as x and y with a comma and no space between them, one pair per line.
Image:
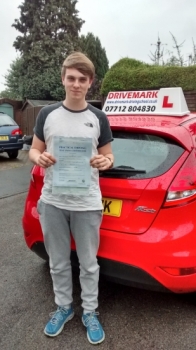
90,83
62,79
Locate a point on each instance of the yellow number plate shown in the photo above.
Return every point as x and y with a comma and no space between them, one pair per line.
112,207
4,138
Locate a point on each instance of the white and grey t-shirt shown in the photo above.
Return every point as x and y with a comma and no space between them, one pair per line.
57,120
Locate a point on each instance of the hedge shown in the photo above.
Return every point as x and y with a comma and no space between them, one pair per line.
123,77
129,63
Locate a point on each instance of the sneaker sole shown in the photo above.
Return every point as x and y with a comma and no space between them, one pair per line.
96,342
60,329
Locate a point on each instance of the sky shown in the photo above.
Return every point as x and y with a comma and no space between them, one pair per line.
126,28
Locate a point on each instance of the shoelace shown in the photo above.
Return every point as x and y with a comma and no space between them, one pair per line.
91,321
56,315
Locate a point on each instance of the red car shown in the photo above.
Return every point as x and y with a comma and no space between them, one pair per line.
148,233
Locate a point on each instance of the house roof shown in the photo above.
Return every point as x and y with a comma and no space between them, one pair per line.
36,103
15,103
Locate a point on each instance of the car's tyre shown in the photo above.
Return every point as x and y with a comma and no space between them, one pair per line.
13,154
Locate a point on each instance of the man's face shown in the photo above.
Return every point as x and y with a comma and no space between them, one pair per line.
76,84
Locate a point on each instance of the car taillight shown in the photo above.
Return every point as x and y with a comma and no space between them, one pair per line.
183,188
16,132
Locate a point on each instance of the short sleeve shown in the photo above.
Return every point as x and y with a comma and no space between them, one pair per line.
39,126
105,131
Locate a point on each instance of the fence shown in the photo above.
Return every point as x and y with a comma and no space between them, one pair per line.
28,118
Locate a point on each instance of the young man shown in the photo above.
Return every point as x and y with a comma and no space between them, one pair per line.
80,214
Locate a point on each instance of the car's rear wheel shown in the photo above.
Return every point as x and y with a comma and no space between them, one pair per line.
13,154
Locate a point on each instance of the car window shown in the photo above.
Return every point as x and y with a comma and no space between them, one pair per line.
151,155
6,120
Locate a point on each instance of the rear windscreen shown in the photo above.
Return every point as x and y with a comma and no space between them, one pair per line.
144,154
6,120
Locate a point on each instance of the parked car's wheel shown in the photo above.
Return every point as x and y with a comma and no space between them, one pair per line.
13,154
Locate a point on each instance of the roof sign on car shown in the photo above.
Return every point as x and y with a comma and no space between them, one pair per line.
166,101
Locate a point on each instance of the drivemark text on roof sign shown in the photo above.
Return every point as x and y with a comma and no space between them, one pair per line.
133,94
131,102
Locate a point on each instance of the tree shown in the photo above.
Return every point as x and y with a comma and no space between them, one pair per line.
14,80
49,28
169,58
91,46
179,59
158,54
49,32
6,94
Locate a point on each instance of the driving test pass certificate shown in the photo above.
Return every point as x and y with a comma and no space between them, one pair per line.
72,170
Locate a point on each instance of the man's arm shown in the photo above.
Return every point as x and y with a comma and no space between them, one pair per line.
105,159
38,155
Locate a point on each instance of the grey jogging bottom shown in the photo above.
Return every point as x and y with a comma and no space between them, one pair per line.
84,225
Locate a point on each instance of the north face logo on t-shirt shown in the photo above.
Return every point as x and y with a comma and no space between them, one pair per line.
89,124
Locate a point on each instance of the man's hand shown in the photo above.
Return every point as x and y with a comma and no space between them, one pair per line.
45,160
100,162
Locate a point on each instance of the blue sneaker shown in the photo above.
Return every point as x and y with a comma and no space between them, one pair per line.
95,333
57,321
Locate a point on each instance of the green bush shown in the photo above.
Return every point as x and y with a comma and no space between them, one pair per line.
127,75
127,62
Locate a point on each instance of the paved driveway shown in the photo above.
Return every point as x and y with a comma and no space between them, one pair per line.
14,174
7,163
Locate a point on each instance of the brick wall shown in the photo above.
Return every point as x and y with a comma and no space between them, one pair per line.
190,97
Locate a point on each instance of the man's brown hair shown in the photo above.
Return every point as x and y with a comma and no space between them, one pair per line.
80,62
